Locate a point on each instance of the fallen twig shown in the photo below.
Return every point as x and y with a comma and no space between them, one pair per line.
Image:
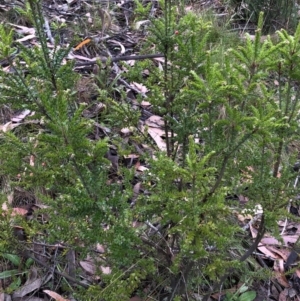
119,58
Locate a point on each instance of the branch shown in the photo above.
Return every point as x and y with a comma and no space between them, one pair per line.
119,58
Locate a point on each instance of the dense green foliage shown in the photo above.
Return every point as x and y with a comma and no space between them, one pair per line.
229,114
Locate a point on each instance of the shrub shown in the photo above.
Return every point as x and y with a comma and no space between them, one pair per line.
225,117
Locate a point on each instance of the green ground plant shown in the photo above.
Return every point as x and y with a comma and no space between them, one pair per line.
70,172
242,294
225,118
243,110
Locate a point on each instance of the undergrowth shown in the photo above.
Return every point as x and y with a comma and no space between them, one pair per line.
228,121
278,13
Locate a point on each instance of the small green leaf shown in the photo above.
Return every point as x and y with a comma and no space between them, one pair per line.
29,262
15,284
14,259
10,273
230,297
247,296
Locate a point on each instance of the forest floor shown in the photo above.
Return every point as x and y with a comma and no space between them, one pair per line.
100,31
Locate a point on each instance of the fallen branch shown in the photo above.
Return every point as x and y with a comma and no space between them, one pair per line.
119,58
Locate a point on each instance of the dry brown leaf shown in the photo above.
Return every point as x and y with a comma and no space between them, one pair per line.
243,218
26,38
145,103
130,63
287,239
253,230
23,29
55,295
267,252
28,287
72,56
105,270
290,239
290,225
280,277
243,199
274,290
279,265
88,266
7,69
137,165
283,295
4,206
279,272
2,297
15,211
100,248
155,135
136,191
126,131
146,72
8,126
142,168
283,253
141,23
19,211
158,131
139,87
160,60
155,121
91,268
270,241
19,117
297,272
